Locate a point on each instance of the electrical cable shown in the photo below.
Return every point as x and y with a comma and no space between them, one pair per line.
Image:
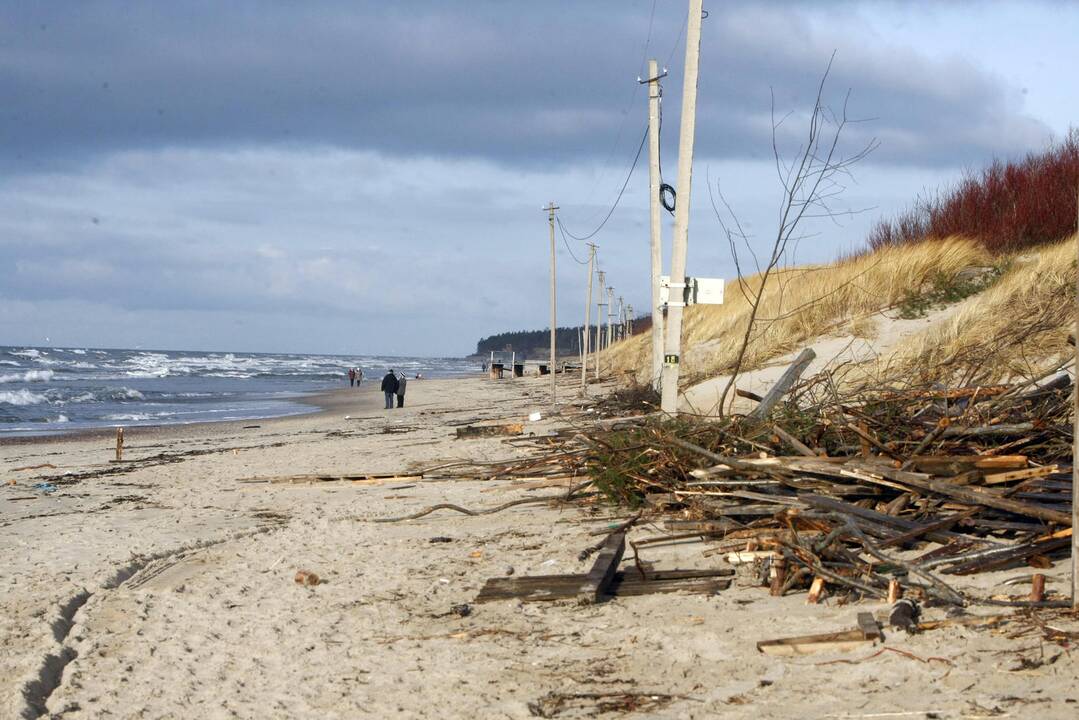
566,242
621,192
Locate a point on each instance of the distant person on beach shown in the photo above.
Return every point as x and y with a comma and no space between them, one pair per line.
351,377
389,387
402,381
484,366
359,376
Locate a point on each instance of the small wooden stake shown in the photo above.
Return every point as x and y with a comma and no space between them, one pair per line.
119,444
779,567
895,591
1037,587
815,591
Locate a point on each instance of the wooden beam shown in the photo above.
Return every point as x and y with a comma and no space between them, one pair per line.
594,585
783,385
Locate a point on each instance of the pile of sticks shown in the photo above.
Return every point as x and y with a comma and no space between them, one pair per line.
870,495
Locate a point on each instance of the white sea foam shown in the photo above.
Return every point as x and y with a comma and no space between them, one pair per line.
22,398
29,353
130,417
12,363
28,376
60,419
79,352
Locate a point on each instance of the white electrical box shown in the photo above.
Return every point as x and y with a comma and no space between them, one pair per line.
697,291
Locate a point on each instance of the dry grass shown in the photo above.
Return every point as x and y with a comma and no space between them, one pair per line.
800,304
1017,328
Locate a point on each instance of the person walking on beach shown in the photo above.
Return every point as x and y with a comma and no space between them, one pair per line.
389,387
351,377
402,381
359,376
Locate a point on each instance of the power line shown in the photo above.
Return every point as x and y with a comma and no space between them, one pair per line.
644,138
562,230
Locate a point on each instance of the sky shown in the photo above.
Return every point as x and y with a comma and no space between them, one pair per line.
367,178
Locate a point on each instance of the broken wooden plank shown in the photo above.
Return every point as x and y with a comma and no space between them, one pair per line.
954,464
1001,430
809,644
1029,473
482,431
966,493
794,442
594,585
1005,557
565,587
783,385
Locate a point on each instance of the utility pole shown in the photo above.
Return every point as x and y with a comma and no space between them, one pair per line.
551,207
586,337
659,313
676,300
621,319
1075,445
610,314
599,319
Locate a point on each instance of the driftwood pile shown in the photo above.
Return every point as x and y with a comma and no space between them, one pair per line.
871,496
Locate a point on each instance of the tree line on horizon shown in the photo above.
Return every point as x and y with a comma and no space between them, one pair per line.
536,344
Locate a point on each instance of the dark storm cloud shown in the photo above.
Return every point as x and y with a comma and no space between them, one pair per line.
512,82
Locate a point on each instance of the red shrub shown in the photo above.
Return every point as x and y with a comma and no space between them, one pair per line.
1008,206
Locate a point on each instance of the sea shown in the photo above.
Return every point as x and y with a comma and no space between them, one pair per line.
52,390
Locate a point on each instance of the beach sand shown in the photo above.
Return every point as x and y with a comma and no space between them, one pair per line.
165,587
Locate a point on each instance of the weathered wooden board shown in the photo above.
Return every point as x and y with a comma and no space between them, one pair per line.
594,585
809,644
482,431
562,587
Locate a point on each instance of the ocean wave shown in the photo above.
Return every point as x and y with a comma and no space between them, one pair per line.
28,353
129,417
12,363
59,419
22,398
28,376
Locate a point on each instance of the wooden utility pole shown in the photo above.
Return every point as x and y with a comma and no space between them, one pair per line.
587,338
658,313
621,329
551,207
599,320
676,302
1075,437
610,314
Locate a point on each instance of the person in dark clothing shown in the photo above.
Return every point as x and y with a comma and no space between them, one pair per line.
402,381
389,387
351,377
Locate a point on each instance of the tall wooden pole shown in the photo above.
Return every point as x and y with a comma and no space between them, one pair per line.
610,314
599,320
1075,438
658,313
586,336
551,207
675,303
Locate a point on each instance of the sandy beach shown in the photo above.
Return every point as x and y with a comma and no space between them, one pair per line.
164,587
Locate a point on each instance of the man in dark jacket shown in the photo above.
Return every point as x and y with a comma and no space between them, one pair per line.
389,387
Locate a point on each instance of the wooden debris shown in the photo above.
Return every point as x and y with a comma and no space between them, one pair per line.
867,634
595,584
482,431
624,583
783,385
